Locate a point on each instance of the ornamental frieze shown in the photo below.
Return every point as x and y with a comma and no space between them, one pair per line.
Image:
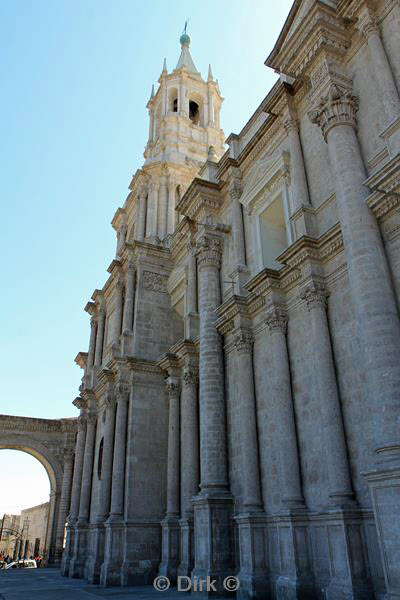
155,282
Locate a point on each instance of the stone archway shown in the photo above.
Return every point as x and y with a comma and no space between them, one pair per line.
51,442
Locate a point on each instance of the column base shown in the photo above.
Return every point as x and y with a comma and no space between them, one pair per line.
96,553
68,550
253,573
77,564
384,485
187,546
214,546
141,539
110,572
170,548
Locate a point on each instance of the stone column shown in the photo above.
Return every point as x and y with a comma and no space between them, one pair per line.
171,207
64,504
298,176
111,567
127,322
77,564
75,495
170,525
213,506
281,409
151,125
117,317
235,192
98,534
100,338
141,215
190,475
191,316
152,208
324,387
162,209
92,343
247,426
373,301
371,290
121,236
252,573
383,75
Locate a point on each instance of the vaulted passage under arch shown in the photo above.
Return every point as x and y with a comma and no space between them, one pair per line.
51,442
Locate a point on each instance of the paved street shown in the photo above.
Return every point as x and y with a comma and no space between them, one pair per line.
48,584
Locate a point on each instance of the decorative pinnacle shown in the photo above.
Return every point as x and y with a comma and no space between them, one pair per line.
185,38
210,75
164,69
152,92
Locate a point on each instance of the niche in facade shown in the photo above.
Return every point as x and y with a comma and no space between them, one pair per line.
273,233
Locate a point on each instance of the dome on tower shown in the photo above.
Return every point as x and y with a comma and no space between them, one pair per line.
184,39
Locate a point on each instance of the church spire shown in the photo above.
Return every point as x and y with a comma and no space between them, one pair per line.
185,59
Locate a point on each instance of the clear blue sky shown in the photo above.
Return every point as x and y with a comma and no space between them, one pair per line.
76,76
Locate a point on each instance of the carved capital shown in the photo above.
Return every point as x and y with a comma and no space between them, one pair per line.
276,319
109,400
209,252
93,323
173,387
369,27
122,392
68,455
290,123
338,107
82,423
91,418
190,376
243,341
315,295
154,186
235,189
143,192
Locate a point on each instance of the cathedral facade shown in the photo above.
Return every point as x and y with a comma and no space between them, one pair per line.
239,409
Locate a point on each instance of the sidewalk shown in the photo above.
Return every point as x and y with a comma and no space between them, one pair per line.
49,584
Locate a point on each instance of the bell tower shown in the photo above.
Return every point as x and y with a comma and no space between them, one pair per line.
184,123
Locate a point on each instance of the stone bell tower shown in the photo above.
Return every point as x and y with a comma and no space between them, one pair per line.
184,130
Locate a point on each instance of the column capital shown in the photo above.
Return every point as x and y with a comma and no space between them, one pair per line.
190,376
235,188
109,400
68,455
93,321
315,295
289,123
369,27
154,185
82,423
209,251
276,319
243,341
122,392
91,418
142,193
338,107
173,386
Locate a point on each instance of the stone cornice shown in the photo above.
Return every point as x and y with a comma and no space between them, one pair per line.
81,359
28,424
201,200
231,313
143,365
118,218
385,186
114,265
319,29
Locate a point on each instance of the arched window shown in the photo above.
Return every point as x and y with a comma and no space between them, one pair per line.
100,458
194,112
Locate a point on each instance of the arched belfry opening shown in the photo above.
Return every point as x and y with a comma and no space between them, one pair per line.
194,112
